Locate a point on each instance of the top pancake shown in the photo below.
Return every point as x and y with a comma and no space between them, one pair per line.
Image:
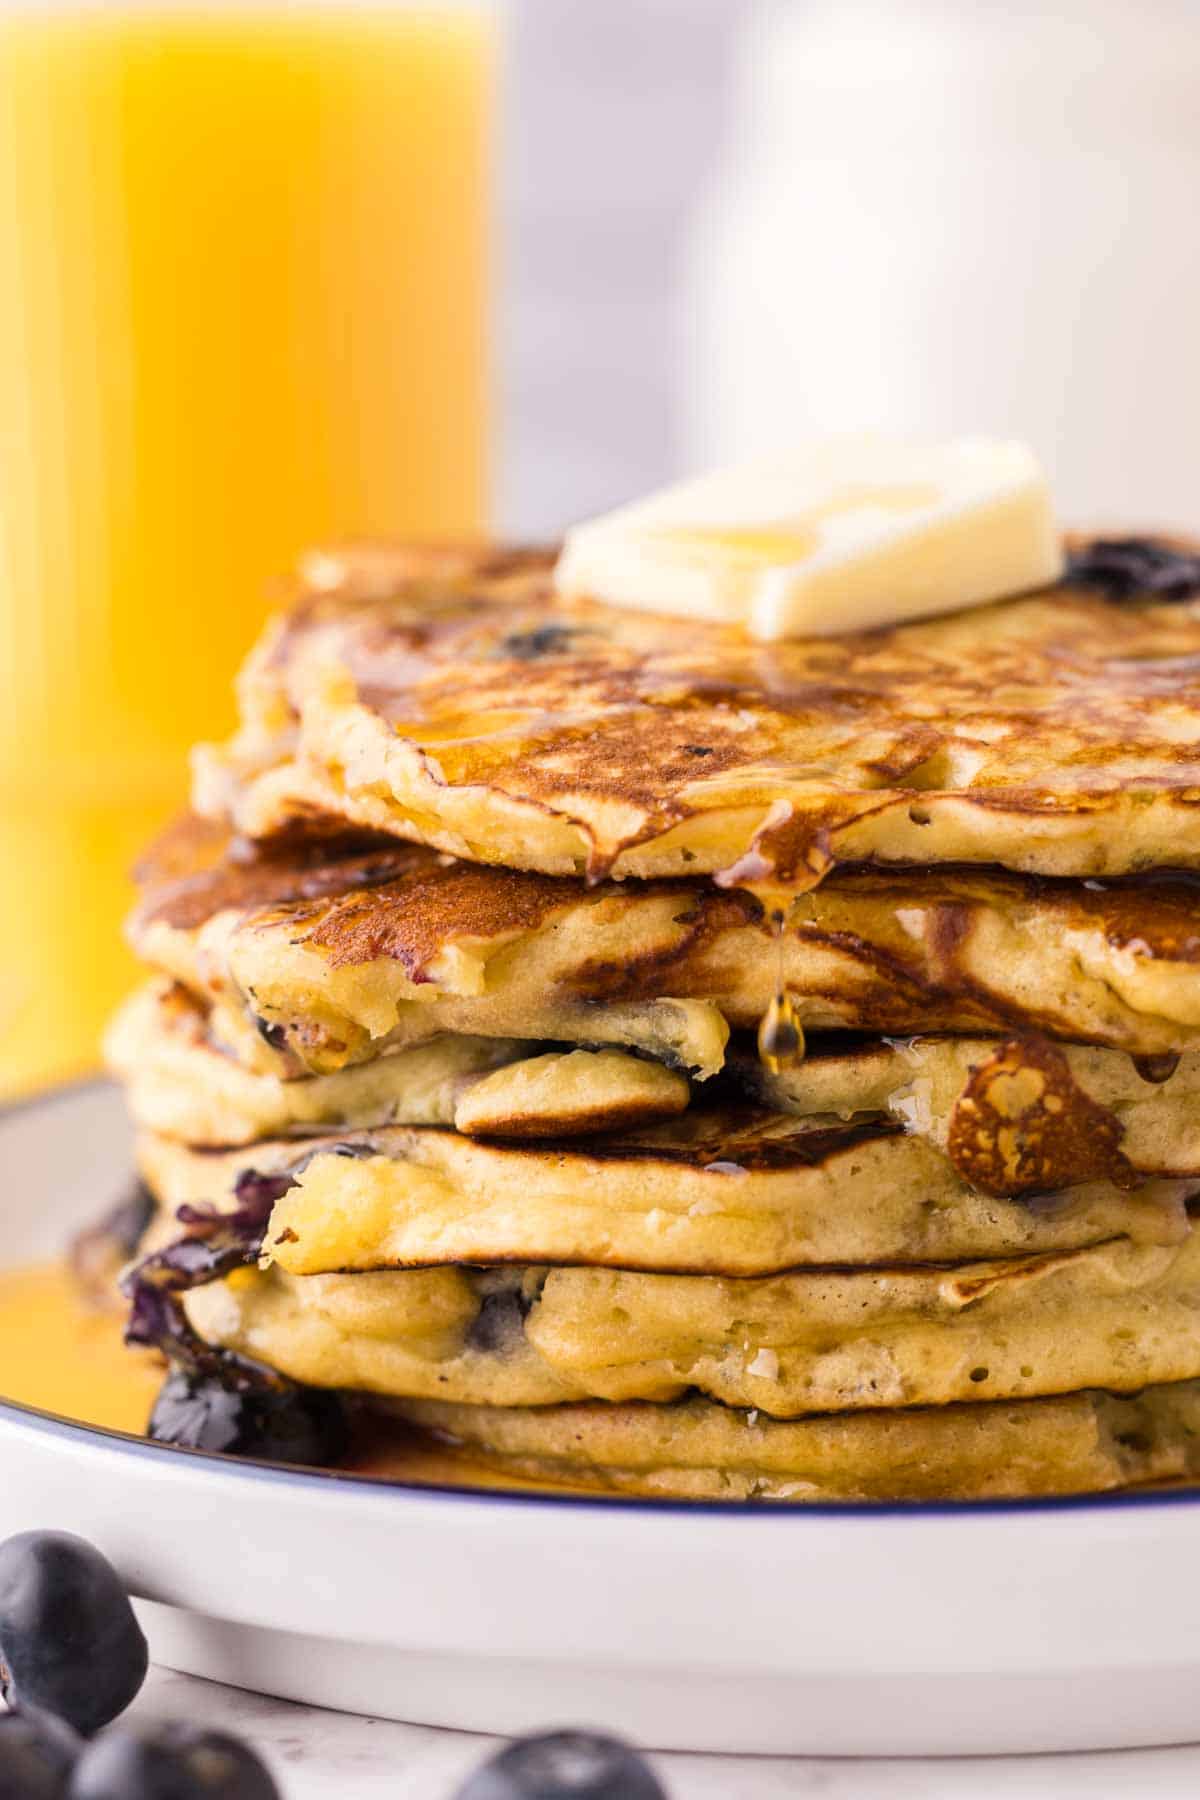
451,697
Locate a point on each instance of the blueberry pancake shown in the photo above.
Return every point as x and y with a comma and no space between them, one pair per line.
314,953
666,1061
459,701
1015,1115
724,1192
696,1450
181,1081
1120,1316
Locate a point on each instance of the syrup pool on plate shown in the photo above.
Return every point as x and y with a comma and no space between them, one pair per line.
63,1353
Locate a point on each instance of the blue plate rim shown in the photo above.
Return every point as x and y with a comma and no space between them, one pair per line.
326,1480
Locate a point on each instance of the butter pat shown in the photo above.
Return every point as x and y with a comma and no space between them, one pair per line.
840,537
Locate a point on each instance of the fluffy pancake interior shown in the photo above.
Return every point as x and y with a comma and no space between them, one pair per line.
564,1093
1077,1443
719,1192
1118,1316
181,1082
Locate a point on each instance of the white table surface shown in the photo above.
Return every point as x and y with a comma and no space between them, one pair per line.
331,1756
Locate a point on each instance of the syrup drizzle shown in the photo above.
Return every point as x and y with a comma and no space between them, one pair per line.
1157,1069
780,1033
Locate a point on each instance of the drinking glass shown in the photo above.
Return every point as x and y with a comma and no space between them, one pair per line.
242,292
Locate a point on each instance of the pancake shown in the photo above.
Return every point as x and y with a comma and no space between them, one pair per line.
312,965
318,955
458,701
180,1082
1014,1115
1119,1316
722,1192
1076,1444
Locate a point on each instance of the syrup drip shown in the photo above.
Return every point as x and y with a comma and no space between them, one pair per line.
780,1033
1157,1069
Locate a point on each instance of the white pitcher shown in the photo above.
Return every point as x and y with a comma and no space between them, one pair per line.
954,217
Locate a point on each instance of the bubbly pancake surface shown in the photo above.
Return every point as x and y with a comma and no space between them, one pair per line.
464,704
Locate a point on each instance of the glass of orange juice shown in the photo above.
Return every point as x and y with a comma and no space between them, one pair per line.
242,293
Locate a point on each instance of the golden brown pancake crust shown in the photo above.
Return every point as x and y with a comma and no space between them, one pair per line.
1062,706
197,868
359,902
359,896
1023,1122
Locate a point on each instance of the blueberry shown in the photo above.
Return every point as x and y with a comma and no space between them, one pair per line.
170,1762
37,1754
270,1031
564,1765
69,1642
1140,568
274,1421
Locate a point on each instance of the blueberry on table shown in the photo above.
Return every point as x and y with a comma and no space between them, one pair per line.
564,1765
170,1762
69,1643
37,1754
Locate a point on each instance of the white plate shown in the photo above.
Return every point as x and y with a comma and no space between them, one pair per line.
1017,1627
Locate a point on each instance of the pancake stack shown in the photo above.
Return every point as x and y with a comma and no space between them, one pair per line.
656,1060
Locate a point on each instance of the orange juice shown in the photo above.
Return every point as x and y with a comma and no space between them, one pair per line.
241,307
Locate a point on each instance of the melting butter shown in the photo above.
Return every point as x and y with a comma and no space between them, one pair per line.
843,536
